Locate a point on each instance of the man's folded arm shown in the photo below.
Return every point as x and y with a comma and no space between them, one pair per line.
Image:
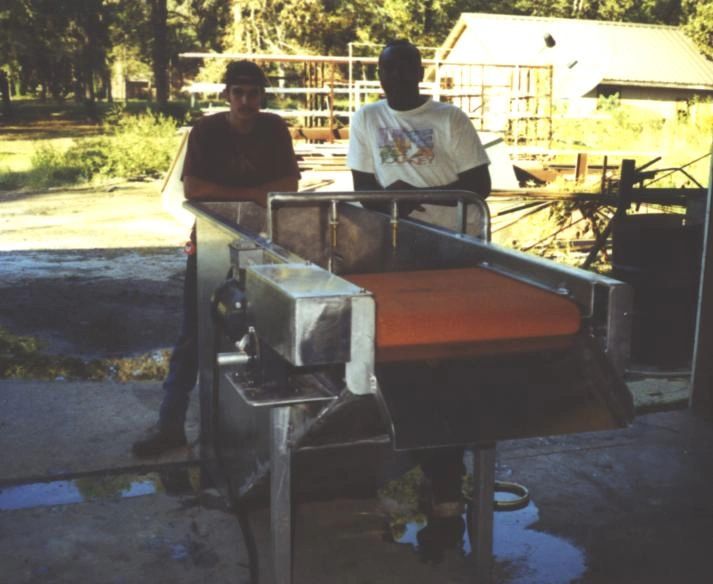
198,189
365,181
476,179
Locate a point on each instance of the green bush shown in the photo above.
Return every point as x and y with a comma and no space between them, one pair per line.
132,147
89,158
141,146
9,180
50,168
618,127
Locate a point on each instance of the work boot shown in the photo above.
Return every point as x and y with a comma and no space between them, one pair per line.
439,535
158,441
440,501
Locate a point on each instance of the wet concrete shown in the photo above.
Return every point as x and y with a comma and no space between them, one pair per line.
96,487
625,506
152,538
94,303
628,506
53,430
636,501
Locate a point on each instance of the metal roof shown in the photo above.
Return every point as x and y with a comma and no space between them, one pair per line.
612,52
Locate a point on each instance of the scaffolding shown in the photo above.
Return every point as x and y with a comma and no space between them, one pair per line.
321,93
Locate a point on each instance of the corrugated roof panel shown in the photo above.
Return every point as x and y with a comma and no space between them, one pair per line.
619,53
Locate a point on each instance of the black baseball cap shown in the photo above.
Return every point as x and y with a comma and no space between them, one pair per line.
237,72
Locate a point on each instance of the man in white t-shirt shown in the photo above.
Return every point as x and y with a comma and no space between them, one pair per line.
408,141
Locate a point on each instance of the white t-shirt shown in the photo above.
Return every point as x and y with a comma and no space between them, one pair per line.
426,147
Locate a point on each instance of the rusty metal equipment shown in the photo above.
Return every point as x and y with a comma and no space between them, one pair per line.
324,324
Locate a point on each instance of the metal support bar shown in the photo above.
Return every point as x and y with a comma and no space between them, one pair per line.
333,227
281,494
464,198
462,218
701,397
483,506
394,223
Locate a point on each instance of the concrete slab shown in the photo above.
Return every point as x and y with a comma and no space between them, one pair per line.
347,541
55,429
626,506
653,394
638,507
151,538
620,507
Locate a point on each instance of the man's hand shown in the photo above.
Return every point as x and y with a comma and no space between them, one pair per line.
405,208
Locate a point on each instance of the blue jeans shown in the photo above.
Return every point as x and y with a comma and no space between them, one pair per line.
183,366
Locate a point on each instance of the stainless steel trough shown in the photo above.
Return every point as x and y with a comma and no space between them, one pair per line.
291,344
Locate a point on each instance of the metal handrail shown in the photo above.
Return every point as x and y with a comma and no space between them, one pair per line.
460,197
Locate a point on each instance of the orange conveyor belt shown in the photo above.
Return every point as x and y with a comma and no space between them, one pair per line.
435,314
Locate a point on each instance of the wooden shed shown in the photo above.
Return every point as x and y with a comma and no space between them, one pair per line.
653,66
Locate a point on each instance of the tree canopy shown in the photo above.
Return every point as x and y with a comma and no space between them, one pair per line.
68,48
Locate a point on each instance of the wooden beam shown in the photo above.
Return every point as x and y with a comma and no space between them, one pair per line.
283,58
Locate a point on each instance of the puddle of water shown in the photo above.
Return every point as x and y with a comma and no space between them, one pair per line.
39,494
532,556
78,491
157,265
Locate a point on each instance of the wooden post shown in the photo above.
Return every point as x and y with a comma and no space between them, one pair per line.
582,168
627,177
605,169
331,104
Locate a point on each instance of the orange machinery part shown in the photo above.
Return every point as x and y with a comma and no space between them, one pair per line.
435,314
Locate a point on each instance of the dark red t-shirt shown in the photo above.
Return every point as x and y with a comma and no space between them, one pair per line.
219,154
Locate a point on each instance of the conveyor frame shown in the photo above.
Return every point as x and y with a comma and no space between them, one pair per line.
330,233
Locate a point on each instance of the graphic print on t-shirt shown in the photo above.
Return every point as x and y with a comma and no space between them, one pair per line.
398,146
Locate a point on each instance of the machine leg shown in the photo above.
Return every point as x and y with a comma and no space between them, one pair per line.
483,506
281,495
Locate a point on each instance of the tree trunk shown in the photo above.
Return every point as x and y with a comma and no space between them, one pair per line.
5,91
159,25
90,98
91,92
107,85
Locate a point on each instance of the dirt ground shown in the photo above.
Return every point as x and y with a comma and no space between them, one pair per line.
91,272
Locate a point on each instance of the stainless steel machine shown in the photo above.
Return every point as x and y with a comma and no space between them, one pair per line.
325,324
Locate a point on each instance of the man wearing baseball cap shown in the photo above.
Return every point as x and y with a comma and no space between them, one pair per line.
239,155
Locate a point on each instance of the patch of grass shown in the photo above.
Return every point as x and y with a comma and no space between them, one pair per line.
22,357
679,140
621,127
